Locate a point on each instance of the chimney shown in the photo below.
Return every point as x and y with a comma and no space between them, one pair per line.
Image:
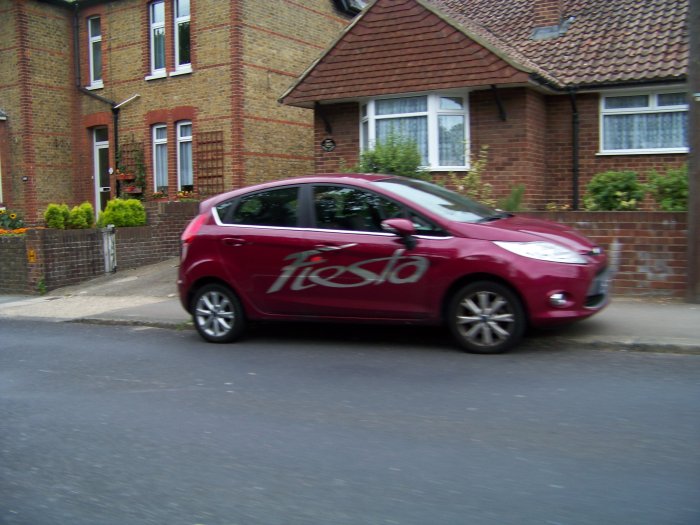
546,13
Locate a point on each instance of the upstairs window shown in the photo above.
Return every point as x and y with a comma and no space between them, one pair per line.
95,51
170,26
651,122
157,16
182,34
437,123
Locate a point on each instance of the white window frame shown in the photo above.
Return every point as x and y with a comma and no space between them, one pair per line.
185,67
183,139
95,83
159,142
653,107
154,27
368,119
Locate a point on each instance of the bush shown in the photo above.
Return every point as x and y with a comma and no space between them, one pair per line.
56,216
123,212
670,191
514,200
613,191
395,155
81,217
470,183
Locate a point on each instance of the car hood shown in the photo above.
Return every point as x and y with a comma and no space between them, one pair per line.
524,229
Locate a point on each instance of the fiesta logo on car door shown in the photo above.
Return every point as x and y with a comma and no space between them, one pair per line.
308,270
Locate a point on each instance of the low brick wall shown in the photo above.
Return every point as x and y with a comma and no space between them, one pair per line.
647,249
14,268
46,259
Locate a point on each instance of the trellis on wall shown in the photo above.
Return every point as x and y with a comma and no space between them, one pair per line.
209,155
132,167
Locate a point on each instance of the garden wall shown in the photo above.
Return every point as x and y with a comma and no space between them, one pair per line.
46,259
647,249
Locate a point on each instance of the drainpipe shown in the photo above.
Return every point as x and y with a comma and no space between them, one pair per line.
79,82
575,150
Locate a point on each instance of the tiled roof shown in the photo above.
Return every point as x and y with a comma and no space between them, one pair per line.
606,41
401,46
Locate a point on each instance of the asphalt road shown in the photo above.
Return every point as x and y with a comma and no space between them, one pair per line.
337,425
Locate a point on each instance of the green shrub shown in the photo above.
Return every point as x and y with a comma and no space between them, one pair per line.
613,191
123,212
670,191
394,155
56,216
77,219
514,200
470,183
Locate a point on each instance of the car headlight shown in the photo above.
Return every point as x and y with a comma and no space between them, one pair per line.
543,250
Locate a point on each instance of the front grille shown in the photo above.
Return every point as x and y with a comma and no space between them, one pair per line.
600,288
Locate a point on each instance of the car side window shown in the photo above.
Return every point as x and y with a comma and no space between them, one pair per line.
425,227
344,208
276,207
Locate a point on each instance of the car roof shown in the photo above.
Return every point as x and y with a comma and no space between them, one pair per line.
361,179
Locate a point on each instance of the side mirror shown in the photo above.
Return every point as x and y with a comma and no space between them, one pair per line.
403,228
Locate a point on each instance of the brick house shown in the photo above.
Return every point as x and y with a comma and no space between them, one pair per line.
558,90
186,88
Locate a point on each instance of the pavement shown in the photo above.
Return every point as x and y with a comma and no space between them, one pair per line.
147,296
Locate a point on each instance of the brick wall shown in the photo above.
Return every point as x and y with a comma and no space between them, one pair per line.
49,259
648,250
345,132
558,151
14,271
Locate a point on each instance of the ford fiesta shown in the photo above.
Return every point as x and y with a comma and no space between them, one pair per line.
379,248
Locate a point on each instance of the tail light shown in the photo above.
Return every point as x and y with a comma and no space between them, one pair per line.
190,233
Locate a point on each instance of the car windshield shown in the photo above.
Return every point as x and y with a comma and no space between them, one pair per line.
441,201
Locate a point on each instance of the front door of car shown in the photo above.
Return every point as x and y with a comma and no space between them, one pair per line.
351,268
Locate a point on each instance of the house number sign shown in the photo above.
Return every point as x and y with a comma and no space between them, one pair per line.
328,145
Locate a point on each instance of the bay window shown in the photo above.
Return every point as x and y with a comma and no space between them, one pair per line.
436,122
649,122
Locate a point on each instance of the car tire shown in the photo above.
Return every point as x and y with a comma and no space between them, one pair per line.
217,314
486,317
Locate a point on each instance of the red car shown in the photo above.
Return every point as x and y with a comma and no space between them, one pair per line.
381,248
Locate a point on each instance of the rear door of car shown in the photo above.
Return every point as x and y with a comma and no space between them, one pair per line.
257,234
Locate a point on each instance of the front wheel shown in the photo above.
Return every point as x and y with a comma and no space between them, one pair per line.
486,318
217,314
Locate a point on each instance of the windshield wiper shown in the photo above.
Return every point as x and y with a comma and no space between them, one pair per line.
496,216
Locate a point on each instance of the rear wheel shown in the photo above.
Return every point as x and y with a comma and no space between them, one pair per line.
486,317
217,314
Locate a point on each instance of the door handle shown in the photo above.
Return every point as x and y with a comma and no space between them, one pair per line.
234,241
333,247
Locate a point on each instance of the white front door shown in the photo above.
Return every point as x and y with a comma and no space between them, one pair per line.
103,190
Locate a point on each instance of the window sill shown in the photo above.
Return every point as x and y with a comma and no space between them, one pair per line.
183,71
671,151
156,76
443,169
95,86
